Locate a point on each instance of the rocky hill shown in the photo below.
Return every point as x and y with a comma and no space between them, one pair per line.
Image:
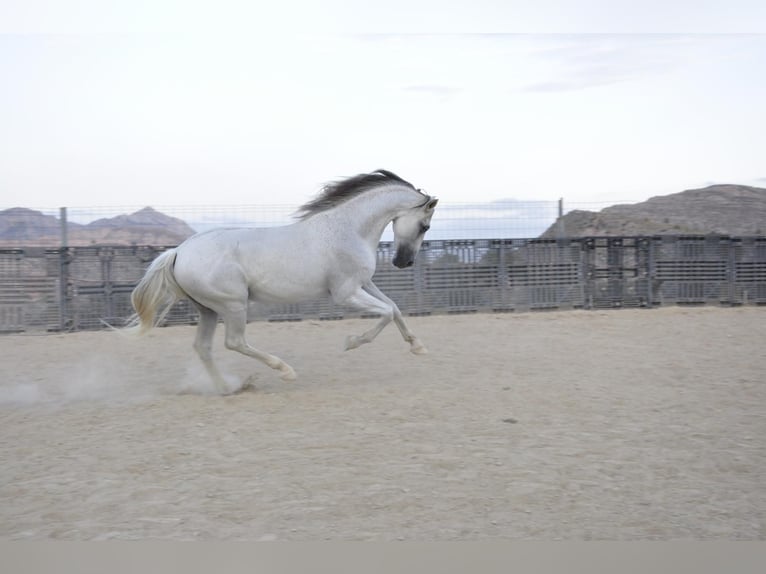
718,209
21,227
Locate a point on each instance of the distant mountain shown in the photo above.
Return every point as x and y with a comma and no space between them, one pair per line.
27,228
144,227
19,225
718,209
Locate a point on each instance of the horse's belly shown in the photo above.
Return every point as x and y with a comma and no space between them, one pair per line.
286,288
285,294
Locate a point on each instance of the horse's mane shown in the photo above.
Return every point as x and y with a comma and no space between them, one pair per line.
337,192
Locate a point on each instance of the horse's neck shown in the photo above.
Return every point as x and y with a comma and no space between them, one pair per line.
370,212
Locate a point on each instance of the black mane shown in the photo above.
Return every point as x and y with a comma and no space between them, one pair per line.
339,191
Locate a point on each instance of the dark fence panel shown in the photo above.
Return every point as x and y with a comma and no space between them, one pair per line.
748,264
31,295
79,287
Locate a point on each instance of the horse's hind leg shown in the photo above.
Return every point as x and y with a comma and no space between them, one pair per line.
203,344
235,323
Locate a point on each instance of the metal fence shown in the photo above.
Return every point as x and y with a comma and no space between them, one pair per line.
64,289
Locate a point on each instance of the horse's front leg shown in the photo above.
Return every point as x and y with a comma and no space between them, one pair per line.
416,346
365,302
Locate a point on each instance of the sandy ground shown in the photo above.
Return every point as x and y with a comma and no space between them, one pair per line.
618,425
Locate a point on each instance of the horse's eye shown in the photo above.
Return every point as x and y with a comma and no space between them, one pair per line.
424,228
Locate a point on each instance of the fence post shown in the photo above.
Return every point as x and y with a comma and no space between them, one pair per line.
648,269
731,271
419,282
588,254
502,275
615,257
64,226
561,231
106,255
63,269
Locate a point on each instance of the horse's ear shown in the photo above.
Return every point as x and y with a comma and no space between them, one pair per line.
432,204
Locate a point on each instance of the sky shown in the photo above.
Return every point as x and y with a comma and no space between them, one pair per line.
194,103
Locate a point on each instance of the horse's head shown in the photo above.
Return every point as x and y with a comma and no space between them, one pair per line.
409,229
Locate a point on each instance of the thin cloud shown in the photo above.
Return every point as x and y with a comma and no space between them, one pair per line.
434,90
583,61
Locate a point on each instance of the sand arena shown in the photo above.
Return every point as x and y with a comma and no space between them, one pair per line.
618,425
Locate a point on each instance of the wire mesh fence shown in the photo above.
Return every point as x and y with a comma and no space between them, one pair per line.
169,224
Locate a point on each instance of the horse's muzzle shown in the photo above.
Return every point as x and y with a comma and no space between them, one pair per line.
404,258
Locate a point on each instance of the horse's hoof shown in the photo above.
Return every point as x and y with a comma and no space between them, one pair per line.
352,342
418,349
288,374
229,387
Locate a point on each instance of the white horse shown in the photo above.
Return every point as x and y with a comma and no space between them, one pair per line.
330,250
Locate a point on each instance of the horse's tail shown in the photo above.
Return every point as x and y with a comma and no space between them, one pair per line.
154,295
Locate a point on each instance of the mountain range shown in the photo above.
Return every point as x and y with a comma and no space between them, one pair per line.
20,226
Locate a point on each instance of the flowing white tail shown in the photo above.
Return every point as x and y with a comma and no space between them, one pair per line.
155,294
